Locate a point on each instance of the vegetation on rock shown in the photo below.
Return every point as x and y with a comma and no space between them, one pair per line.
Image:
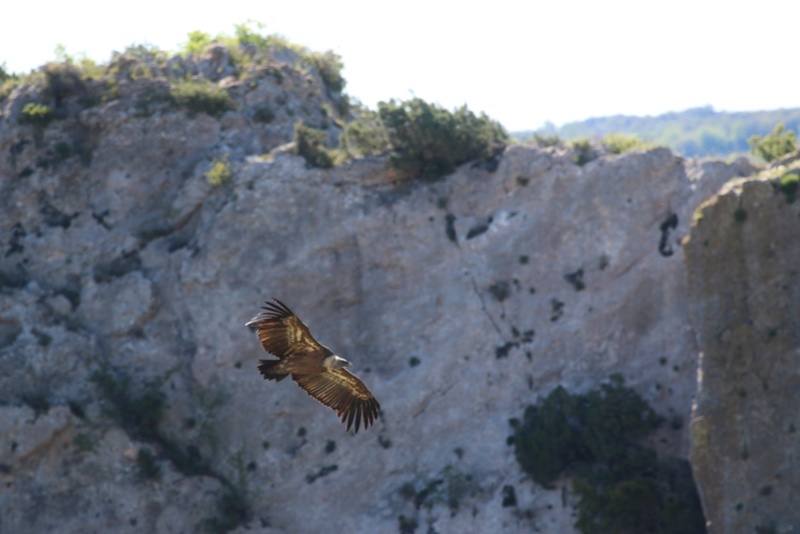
192,73
366,134
618,143
789,186
583,151
329,65
775,144
424,139
141,415
546,141
36,114
430,142
595,438
220,172
196,42
310,143
450,486
201,96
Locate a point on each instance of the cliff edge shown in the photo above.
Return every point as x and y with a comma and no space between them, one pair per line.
742,259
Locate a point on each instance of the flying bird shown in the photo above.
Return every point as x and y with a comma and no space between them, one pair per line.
314,367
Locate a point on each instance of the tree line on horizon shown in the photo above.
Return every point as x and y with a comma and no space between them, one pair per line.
698,133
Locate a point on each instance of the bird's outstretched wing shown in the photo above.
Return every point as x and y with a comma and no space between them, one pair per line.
343,392
282,333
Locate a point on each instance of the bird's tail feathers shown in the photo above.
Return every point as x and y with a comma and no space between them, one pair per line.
268,370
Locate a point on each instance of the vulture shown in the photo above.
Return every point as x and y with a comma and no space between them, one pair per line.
314,367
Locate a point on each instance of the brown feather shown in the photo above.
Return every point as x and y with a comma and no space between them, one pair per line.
286,337
343,392
283,334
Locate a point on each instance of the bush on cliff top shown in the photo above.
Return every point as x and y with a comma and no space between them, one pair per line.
773,145
619,143
366,134
430,142
248,45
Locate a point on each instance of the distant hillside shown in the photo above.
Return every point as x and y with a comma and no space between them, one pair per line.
699,132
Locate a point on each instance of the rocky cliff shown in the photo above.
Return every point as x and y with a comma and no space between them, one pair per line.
743,260
129,397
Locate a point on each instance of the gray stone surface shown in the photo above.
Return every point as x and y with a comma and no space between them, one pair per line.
742,259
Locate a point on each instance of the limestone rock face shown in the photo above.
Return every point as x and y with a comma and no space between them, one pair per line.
743,260
59,476
129,393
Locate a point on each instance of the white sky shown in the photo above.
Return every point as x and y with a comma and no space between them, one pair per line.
522,63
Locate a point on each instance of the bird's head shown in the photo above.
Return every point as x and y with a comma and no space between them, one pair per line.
335,362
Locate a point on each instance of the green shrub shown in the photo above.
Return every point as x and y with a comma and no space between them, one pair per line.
344,104
329,65
142,61
547,141
622,487
583,150
251,33
365,135
139,415
546,442
450,486
619,143
64,83
148,53
429,141
86,67
625,507
789,185
201,96
310,143
220,172
232,506
196,42
773,145
248,41
36,114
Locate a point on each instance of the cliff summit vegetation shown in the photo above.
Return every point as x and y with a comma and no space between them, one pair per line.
423,140
775,144
430,141
247,52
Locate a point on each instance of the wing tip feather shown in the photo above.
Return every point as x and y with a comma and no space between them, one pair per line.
273,312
